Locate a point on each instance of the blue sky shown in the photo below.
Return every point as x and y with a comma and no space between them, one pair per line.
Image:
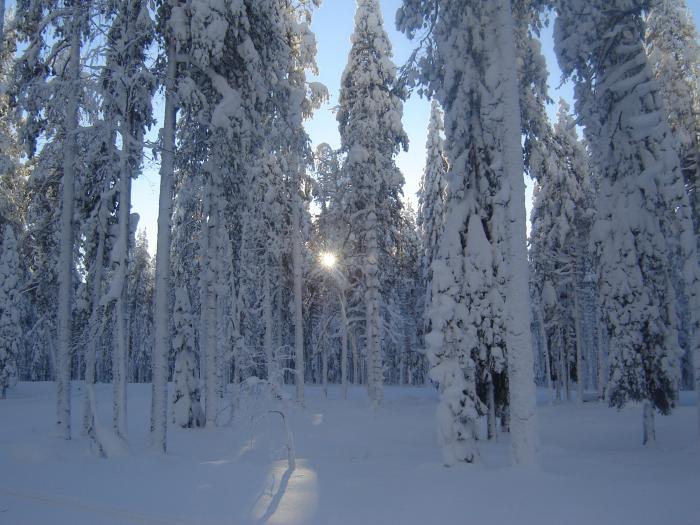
333,24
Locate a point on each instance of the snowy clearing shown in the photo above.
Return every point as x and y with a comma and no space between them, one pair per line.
354,466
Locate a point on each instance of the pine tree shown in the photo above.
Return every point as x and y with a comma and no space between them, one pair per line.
371,132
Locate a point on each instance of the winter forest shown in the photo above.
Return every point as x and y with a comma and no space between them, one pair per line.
304,340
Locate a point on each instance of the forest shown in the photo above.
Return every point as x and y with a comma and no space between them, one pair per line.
289,276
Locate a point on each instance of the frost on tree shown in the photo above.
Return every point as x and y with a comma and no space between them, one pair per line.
431,196
47,89
674,53
187,410
369,117
10,335
643,211
466,65
561,221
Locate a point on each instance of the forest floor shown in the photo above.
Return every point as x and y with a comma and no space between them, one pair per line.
354,465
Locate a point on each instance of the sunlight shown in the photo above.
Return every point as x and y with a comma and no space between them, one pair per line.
328,260
291,496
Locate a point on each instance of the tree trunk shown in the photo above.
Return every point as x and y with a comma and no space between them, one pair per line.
161,349
65,263
579,350
491,403
269,328
602,362
355,359
298,312
94,331
208,300
324,370
373,322
120,352
649,435
547,362
2,25
344,344
523,422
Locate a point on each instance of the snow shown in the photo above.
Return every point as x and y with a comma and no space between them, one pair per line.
353,465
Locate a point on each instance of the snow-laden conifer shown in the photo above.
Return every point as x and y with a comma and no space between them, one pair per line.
643,209
674,53
431,195
470,65
187,410
561,219
369,117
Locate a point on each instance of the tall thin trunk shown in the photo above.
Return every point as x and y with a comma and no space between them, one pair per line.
355,358
579,350
65,263
491,404
2,25
324,370
649,431
120,359
161,349
602,362
547,363
344,344
94,331
373,321
523,422
269,328
207,337
298,312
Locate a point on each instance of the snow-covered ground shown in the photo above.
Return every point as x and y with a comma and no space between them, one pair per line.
354,466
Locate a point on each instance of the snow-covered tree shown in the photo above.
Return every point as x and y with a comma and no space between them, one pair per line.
469,64
48,92
127,88
169,26
140,311
643,209
187,411
431,195
10,331
674,53
369,117
561,221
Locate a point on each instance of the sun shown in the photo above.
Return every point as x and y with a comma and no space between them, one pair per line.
328,259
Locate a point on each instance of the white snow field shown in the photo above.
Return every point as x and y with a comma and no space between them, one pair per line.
353,466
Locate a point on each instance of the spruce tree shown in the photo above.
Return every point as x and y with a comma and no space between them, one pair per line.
431,196
469,64
643,210
369,117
